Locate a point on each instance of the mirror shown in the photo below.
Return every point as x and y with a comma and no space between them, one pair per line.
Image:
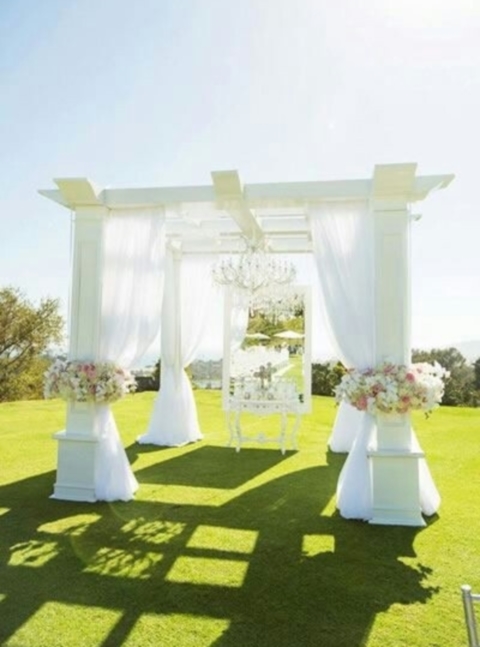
267,347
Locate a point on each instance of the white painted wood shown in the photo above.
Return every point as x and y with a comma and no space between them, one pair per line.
77,445
213,218
86,283
394,467
306,405
392,286
227,347
229,197
395,488
273,195
265,408
307,351
78,191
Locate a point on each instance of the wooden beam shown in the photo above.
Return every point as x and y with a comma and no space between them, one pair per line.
393,180
230,198
78,192
227,185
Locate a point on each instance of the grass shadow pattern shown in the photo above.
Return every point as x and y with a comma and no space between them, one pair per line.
211,467
269,567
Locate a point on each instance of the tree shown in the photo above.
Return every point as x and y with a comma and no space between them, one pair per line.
26,332
459,387
476,370
326,376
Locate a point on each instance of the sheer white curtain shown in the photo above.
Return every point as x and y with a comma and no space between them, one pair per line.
188,294
342,237
132,290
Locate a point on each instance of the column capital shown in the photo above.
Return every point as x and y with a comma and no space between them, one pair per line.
78,192
393,187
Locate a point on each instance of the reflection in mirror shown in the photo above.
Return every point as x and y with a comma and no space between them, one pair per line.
267,347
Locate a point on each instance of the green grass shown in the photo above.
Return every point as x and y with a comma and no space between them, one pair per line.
230,550
295,371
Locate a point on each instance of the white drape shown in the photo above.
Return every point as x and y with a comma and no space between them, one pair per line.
132,291
188,294
342,237
343,245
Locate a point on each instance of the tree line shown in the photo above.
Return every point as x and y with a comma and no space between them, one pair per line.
28,331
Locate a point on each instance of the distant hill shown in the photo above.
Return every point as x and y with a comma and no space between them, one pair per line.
469,349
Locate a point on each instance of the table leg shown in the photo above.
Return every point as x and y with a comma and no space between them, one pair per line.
238,430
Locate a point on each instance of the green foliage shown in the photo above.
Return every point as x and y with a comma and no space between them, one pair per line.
149,382
26,332
260,323
460,386
326,376
476,371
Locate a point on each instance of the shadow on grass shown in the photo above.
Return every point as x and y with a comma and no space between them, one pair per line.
269,567
212,467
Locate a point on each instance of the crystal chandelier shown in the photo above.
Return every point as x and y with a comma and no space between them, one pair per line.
276,305
255,269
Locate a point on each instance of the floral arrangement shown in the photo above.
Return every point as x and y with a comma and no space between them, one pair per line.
100,382
392,388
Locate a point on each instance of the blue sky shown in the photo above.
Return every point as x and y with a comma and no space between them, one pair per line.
161,92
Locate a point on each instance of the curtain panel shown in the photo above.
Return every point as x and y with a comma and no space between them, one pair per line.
189,292
132,291
342,238
343,247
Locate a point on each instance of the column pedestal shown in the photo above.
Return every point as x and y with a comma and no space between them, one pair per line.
77,451
395,474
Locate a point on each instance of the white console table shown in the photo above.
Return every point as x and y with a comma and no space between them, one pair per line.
278,400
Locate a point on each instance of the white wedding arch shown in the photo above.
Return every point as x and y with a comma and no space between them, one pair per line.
142,257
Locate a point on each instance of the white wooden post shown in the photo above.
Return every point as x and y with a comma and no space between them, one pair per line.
77,444
394,466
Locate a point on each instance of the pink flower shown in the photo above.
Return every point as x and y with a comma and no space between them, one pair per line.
362,403
410,377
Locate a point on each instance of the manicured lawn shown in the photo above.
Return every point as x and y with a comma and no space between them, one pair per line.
230,550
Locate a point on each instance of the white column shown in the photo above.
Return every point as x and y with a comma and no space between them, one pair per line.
77,444
394,466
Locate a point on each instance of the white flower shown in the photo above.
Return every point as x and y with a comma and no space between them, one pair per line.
391,388
82,381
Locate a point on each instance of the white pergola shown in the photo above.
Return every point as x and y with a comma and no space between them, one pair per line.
217,218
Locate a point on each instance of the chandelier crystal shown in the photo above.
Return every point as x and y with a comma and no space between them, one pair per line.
280,304
255,269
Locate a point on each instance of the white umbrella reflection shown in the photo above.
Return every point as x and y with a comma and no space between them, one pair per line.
256,335
289,334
